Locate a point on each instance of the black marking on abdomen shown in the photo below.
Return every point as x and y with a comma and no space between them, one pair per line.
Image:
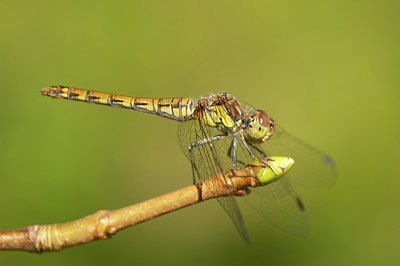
73,94
116,101
91,97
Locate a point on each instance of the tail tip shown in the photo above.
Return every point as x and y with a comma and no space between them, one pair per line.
44,91
49,91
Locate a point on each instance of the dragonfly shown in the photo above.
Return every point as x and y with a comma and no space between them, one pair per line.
219,132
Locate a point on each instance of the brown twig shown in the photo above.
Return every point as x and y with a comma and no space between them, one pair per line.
105,223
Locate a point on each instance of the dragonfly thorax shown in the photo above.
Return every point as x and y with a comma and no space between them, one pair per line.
221,111
260,127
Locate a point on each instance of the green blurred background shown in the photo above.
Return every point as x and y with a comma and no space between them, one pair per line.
326,70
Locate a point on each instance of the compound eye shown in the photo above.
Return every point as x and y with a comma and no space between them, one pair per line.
267,123
263,118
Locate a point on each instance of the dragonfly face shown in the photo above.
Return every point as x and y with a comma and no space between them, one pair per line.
260,127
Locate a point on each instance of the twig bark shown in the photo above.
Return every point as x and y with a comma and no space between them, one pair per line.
105,223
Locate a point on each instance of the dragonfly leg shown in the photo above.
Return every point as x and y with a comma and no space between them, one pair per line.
257,148
197,145
251,153
233,155
194,168
238,164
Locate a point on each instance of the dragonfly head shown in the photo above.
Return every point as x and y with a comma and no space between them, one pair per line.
260,127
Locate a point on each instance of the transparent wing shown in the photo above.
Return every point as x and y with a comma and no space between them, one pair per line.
280,206
209,160
313,168
278,203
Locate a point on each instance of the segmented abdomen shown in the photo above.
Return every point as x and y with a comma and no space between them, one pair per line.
173,108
